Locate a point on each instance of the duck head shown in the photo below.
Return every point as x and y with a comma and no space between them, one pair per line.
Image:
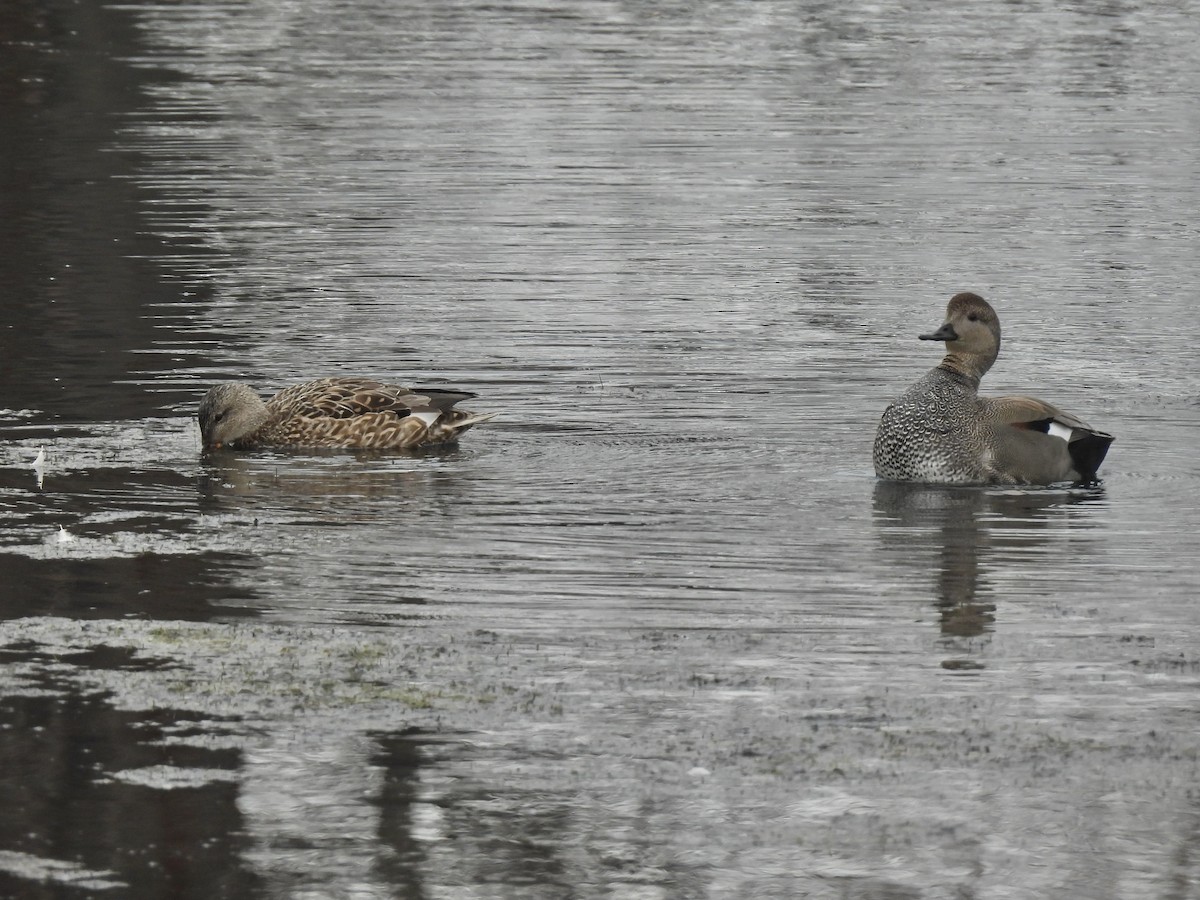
229,412
972,335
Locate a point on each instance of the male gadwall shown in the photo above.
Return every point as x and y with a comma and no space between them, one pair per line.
940,430
333,412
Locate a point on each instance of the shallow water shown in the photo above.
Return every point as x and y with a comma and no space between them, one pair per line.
655,631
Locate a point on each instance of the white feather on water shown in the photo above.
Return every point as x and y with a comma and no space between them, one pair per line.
39,465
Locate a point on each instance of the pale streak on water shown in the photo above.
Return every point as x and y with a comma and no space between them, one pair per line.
684,251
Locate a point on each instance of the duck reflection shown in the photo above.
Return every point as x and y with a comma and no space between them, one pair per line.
965,535
369,485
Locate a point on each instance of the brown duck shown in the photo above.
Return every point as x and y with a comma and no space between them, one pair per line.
333,412
940,430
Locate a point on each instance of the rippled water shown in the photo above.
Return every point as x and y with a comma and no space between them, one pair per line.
655,631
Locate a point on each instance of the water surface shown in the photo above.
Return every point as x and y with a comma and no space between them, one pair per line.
655,631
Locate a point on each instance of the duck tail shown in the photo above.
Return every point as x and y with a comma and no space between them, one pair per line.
1088,451
467,420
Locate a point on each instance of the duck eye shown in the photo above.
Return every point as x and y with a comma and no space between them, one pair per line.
974,317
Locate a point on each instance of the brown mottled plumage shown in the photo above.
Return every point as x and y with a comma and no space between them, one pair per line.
940,430
333,412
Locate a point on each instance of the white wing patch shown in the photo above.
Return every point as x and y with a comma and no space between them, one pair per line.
428,416
1059,430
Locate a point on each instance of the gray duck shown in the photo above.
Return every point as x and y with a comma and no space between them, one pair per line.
941,431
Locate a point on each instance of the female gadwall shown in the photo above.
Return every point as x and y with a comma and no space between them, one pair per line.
940,430
333,412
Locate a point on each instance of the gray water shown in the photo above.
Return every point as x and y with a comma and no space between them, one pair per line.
655,631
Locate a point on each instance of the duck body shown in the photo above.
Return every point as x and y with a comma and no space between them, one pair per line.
941,431
926,434
358,413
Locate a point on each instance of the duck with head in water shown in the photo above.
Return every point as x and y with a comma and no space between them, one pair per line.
358,413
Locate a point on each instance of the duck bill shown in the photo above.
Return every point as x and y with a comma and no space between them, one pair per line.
945,333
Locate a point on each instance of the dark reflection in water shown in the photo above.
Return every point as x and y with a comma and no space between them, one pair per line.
400,758
189,587
85,295
449,831
133,550
82,800
500,837
959,536
947,522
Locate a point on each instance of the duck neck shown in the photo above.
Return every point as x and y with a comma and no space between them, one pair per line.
970,366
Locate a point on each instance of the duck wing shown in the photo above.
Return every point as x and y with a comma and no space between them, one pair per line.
347,398
1035,415
1085,446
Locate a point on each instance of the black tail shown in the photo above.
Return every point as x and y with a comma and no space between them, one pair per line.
1088,451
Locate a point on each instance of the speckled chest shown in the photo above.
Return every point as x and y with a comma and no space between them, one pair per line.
932,433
